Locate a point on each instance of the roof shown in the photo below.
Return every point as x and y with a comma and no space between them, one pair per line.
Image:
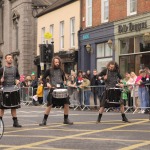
43,2
55,5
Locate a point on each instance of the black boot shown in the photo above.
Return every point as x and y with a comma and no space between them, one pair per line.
67,121
44,120
124,118
16,124
43,123
99,118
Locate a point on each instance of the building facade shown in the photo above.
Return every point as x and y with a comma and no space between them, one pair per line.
132,35
18,31
114,30
132,39
63,24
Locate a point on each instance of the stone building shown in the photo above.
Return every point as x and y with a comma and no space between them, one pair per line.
63,24
18,31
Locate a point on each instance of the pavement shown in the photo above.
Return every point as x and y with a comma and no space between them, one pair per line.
85,134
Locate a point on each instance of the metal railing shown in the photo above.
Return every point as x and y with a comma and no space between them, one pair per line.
130,107
26,95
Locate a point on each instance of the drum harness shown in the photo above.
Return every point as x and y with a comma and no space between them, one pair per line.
8,90
108,88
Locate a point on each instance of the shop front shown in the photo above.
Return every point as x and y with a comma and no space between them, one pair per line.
95,51
132,39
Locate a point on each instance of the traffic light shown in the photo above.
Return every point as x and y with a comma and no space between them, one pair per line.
49,53
46,53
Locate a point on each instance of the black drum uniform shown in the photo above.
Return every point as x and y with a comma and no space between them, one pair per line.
109,96
112,93
56,97
9,94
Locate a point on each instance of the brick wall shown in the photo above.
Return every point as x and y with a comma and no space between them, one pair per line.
83,13
117,10
143,6
96,13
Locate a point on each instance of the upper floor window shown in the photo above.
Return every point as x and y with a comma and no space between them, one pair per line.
88,13
131,7
42,35
52,32
104,10
62,35
72,32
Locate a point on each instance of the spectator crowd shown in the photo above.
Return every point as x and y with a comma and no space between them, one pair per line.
86,89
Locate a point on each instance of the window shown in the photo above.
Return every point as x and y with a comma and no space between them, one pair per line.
104,55
42,35
131,7
127,45
88,13
104,10
102,63
62,35
103,50
134,54
52,32
72,32
133,45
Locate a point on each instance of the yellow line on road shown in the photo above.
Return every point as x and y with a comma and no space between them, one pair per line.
41,148
20,130
136,146
72,136
49,148
104,139
77,138
145,131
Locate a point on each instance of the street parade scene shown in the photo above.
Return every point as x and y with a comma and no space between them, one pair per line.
74,74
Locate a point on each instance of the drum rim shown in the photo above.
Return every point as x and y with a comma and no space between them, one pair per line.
2,123
60,90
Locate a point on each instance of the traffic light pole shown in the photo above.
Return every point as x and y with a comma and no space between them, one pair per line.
42,67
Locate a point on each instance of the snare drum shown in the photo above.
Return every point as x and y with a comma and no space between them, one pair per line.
10,97
113,95
60,93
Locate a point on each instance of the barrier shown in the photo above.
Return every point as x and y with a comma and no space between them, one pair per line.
80,101
26,95
130,107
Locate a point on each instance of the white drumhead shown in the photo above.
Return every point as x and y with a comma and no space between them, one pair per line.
60,90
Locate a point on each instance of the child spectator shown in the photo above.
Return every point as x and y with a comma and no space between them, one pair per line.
39,92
